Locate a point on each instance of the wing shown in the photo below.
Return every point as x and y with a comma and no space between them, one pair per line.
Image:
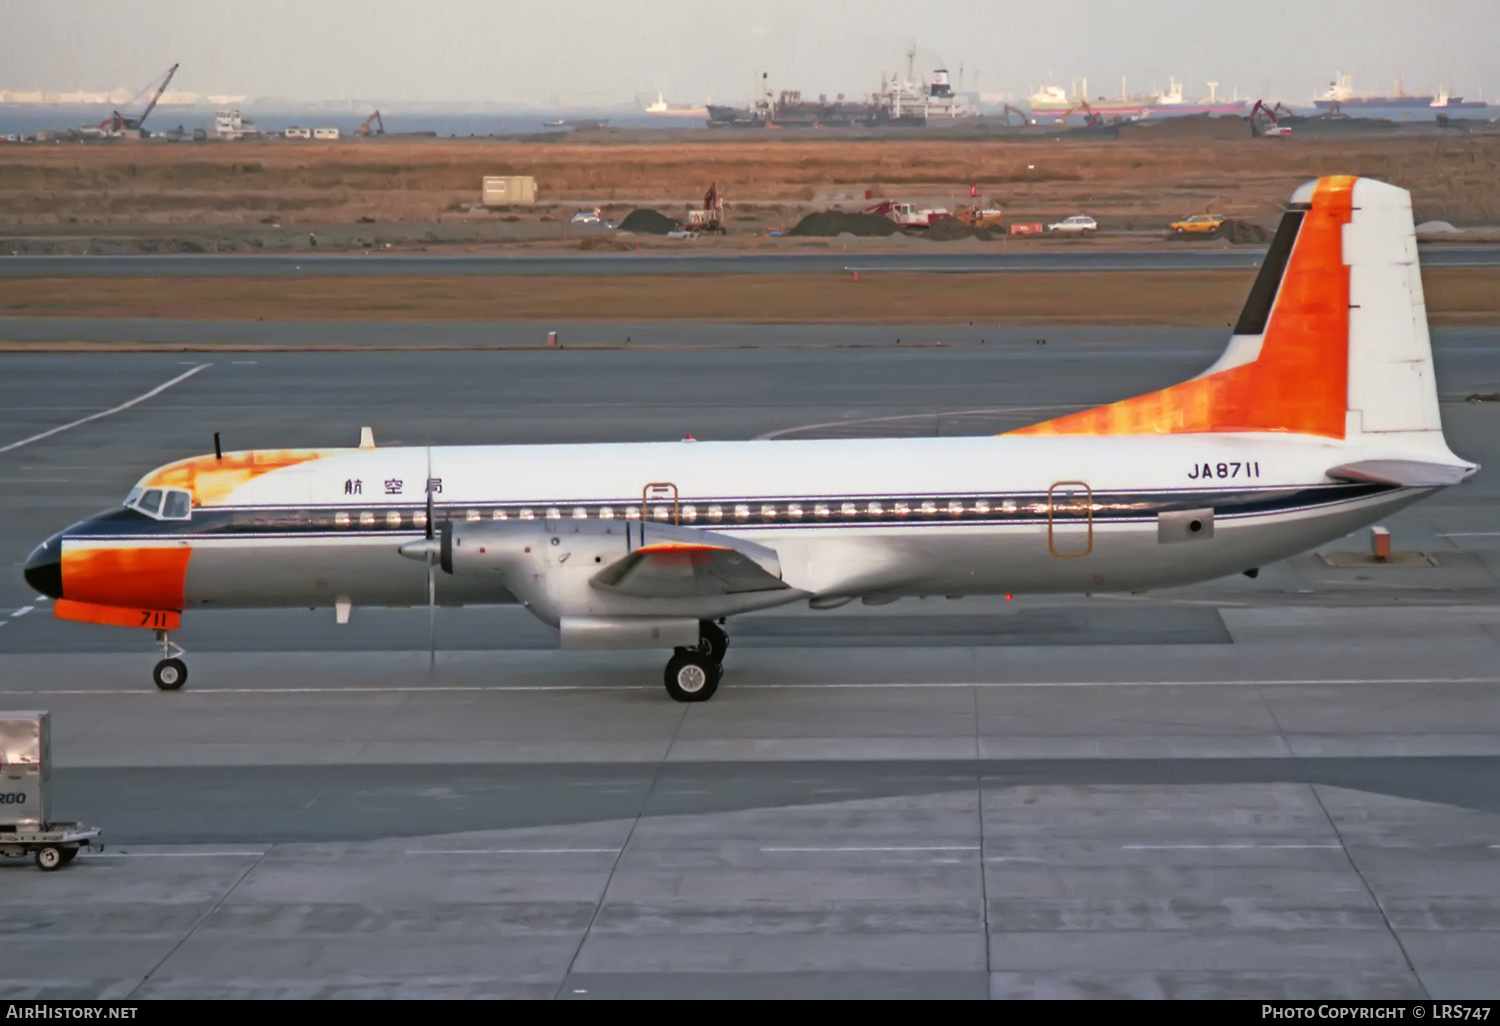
690,568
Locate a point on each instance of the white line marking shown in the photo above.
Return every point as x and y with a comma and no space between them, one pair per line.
1229,847
158,390
22,611
915,848
1470,534
515,851
176,854
43,598
465,688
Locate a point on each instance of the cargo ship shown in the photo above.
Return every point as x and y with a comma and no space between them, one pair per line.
1056,102
661,108
1340,96
901,102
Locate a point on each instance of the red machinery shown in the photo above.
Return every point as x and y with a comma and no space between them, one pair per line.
1274,129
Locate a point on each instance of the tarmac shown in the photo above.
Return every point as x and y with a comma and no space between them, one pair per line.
1286,787
1071,255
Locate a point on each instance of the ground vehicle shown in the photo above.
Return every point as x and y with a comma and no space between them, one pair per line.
587,217
1078,224
980,217
1198,223
373,125
908,215
709,217
1273,129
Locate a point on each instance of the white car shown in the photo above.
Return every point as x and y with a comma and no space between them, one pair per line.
1078,224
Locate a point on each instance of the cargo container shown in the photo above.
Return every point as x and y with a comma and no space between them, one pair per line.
26,823
325,133
298,133
503,190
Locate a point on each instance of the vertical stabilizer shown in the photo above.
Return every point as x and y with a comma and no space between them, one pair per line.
1332,341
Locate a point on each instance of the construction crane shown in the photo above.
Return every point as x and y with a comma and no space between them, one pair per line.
376,121
117,124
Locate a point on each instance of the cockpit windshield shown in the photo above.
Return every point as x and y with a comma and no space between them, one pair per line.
161,503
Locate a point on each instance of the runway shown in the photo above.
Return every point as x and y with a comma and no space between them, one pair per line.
1272,788
1071,255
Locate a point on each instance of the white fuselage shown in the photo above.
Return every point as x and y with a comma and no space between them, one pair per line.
868,518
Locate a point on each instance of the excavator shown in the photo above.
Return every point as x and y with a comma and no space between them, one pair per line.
117,125
1089,117
1274,129
710,217
373,120
1009,110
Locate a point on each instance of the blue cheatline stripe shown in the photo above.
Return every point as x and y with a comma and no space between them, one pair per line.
759,513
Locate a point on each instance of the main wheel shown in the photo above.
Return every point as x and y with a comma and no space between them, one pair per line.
170,674
49,858
692,677
712,641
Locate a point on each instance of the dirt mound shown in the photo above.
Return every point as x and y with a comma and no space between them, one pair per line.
647,222
837,222
1232,230
947,229
1243,232
1194,126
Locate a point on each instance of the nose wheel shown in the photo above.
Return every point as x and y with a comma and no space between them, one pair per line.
170,674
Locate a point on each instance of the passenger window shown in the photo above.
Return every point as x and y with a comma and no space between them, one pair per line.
150,503
179,506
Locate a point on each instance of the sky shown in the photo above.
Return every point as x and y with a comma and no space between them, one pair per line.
604,52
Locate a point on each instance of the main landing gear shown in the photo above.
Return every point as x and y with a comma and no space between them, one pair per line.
693,674
170,674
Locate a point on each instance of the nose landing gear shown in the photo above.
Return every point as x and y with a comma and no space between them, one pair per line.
170,674
693,674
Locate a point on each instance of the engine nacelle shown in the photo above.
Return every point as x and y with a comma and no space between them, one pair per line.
593,633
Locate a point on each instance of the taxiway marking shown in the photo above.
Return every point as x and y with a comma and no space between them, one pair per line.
158,390
1230,847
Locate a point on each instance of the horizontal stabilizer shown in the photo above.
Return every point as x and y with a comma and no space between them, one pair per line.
1404,473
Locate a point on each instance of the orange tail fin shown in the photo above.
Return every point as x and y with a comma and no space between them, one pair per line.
1287,366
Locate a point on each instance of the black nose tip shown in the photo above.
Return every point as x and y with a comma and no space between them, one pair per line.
44,568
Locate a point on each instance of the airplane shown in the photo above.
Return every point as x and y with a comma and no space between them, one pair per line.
1321,417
